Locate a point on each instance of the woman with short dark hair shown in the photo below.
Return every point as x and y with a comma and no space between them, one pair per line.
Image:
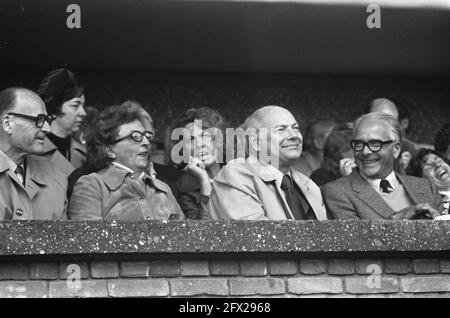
63,96
121,189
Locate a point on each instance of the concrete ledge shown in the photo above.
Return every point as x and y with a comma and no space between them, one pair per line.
203,237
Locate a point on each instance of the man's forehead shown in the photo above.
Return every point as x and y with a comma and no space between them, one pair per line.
29,103
372,126
278,117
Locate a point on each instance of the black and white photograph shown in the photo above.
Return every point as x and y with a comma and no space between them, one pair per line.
215,156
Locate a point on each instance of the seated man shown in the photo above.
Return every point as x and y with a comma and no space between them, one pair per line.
30,189
264,186
373,190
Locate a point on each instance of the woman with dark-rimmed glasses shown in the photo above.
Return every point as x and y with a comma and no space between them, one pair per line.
121,189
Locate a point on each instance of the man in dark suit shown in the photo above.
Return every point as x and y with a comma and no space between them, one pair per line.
373,190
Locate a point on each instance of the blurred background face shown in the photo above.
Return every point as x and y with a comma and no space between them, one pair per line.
437,171
25,136
72,115
375,165
130,153
285,137
200,145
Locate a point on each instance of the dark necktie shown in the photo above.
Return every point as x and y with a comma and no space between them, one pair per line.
295,201
385,185
20,174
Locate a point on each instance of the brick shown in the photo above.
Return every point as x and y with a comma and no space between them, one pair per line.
283,267
426,266
445,265
73,269
134,269
374,284
24,289
104,269
368,266
81,288
341,267
315,285
138,288
198,287
397,266
13,271
43,271
195,268
164,268
256,286
253,267
426,284
312,266
225,268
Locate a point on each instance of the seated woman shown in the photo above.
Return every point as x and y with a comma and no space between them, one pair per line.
429,164
121,189
201,158
338,155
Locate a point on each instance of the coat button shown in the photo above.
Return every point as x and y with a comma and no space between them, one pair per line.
19,212
148,217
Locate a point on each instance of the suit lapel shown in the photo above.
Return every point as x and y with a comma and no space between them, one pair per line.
304,185
369,196
268,174
412,189
34,179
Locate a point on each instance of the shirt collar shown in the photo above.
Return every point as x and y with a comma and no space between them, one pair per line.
375,183
120,166
445,193
9,162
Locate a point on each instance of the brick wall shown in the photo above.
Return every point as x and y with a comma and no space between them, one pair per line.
268,277
245,259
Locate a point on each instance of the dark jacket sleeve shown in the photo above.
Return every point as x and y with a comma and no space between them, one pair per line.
338,205
194,205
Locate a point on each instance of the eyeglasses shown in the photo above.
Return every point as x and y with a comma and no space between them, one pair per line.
39,120
137,136
374,145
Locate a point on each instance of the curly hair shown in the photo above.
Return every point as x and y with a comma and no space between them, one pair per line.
106,131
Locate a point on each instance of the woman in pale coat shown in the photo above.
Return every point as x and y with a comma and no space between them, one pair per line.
121,189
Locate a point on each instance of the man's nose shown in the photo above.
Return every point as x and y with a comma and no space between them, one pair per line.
46,128
366,151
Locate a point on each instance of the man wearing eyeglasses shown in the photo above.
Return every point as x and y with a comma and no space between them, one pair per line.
30,189
373,190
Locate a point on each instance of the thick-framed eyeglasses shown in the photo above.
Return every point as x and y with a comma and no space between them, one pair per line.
374,145
39,120
137,136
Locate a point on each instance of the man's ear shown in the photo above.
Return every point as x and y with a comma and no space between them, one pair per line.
397,149
254,142
7,124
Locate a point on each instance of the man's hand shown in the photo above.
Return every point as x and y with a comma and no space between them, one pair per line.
419,211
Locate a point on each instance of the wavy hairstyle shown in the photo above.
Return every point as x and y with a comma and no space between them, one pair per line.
106,131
